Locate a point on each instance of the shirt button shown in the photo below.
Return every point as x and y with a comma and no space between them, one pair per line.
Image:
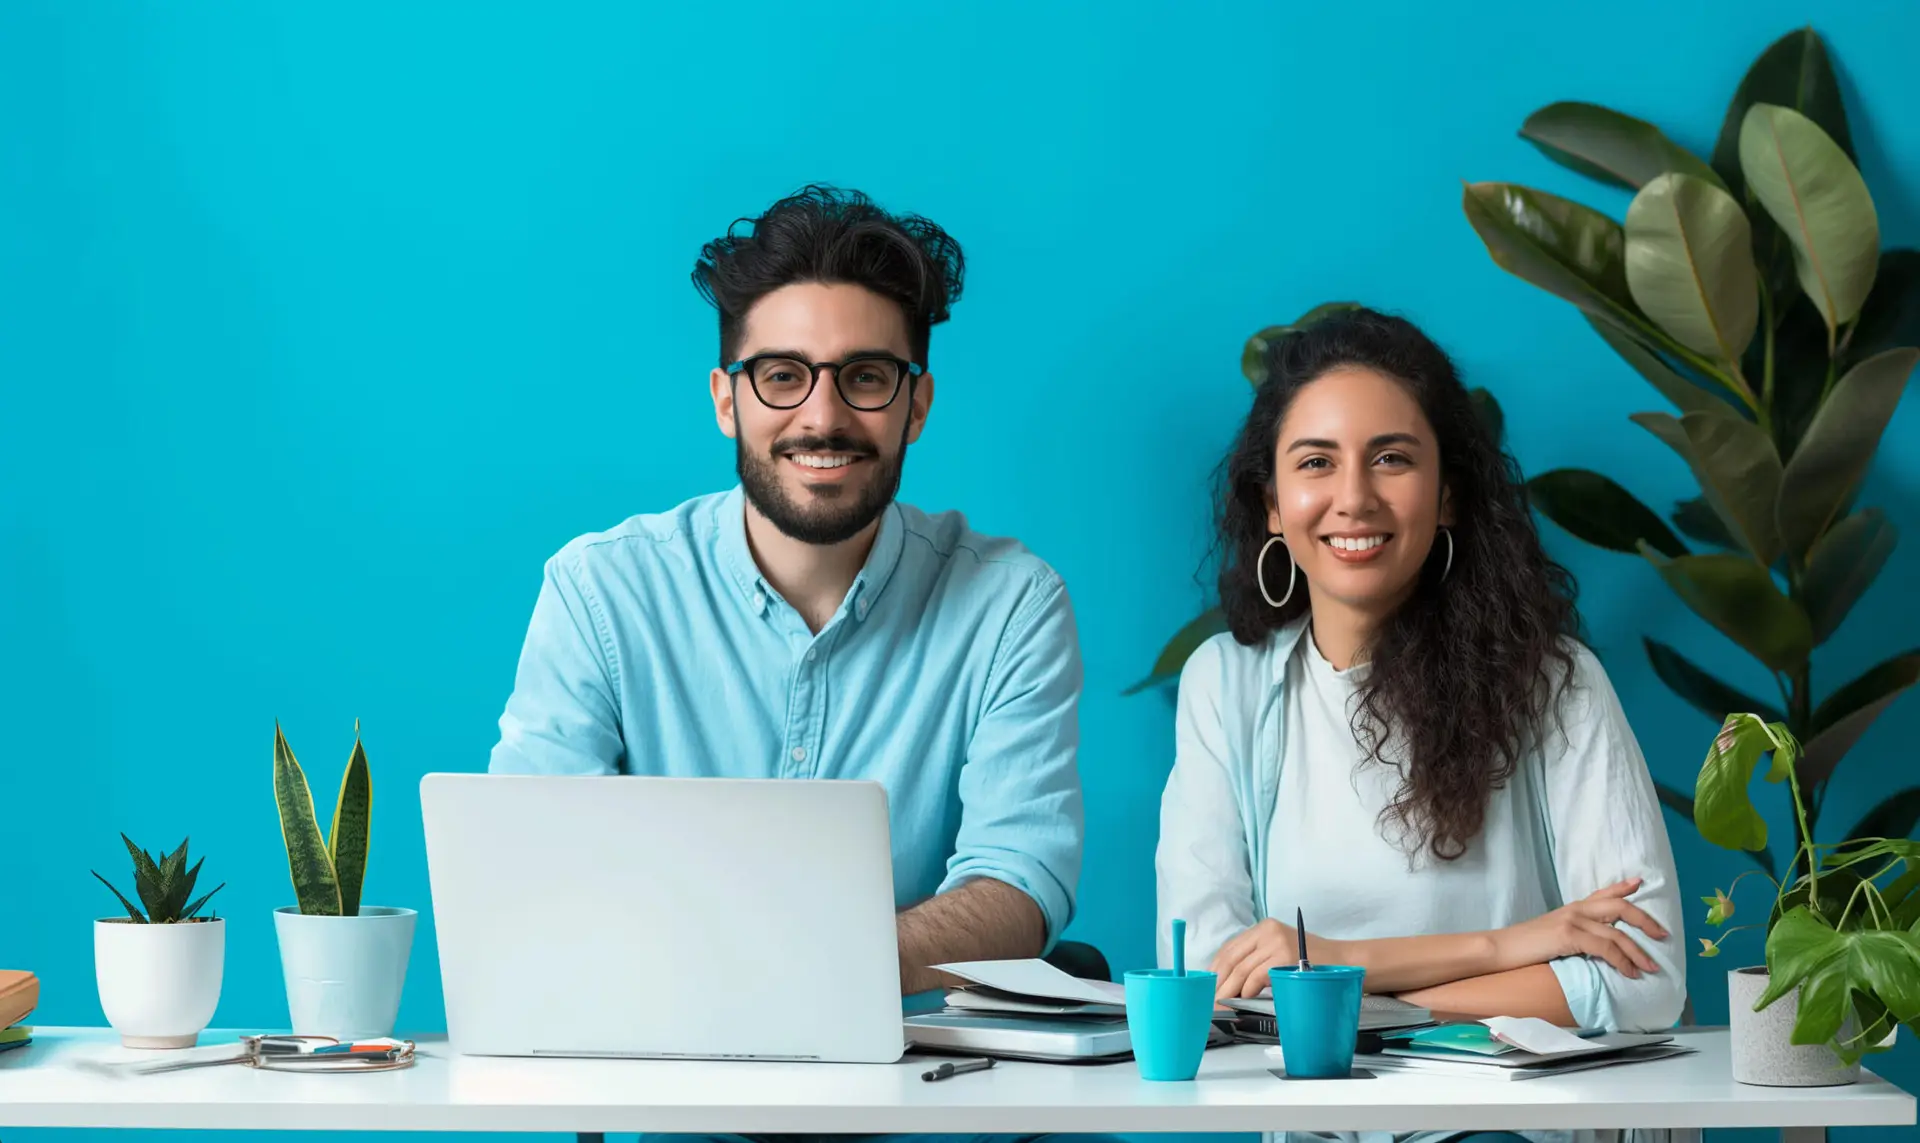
812,654
799,754
759,601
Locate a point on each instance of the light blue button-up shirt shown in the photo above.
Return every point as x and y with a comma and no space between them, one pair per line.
951,674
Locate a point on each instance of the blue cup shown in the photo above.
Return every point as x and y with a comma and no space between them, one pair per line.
1168,1020
1317,1014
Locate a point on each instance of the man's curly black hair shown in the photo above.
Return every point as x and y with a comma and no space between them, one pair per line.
825,234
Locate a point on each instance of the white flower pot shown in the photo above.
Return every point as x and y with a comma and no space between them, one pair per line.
344,975
159,984
1763,1049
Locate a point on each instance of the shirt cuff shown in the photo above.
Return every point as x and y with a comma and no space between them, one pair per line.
1056,907
1586,992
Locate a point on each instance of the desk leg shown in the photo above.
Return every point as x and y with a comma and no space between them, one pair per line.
1792,1135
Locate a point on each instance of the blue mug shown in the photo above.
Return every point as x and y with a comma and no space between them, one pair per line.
1168,1019
1317,1015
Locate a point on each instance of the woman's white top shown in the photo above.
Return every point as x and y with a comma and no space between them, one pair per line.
1273,803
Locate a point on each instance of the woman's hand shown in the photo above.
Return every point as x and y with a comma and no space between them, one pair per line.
1583,928
1242,962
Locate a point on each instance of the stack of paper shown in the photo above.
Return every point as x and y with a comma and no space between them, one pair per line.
1377,1013
1030,987
1510,1048
19,993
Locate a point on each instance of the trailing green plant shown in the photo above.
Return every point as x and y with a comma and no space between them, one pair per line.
163,885
1751,292
1846,932
327,872
1253,366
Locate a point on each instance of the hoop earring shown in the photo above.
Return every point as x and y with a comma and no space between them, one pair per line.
1449,534
1260,573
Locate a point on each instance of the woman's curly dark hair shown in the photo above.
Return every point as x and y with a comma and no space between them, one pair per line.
826,234
1463,676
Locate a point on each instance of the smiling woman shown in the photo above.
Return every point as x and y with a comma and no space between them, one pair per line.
1400,734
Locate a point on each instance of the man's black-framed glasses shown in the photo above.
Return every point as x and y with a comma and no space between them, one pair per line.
868,381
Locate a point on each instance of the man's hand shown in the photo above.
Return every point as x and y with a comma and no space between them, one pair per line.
1242,962
1582,928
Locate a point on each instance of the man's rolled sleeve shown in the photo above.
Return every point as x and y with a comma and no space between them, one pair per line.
563,716
1022,819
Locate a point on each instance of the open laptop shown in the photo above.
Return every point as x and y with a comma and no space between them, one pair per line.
664,917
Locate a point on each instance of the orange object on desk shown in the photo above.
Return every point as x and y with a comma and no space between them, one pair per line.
19,993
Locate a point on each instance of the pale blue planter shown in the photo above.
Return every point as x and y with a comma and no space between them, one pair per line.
344,975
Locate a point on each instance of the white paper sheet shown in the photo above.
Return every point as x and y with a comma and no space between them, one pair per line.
1036,978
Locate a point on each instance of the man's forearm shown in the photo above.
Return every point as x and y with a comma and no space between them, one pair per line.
1530,991
983,919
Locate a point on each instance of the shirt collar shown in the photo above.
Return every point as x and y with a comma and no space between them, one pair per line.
1281,648
730,527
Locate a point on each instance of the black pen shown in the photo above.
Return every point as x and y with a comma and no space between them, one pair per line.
953,1069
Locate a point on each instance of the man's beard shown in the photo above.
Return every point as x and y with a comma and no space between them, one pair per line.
838,513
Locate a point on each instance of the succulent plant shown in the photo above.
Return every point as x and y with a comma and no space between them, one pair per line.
163,885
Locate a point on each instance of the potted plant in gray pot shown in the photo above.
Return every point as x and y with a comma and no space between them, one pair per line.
1842,967
159,969
344,962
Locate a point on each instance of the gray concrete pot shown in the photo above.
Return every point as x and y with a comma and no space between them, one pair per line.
1763,1049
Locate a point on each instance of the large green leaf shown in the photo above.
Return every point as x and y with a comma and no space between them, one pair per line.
1805,952
1181,647
1737,469
1793,72
1604,144
1595,509
1799,370
351,834
1895,816
1739,598
1571,251
1814,193
1846,714
1842,566
1891,316
1697,520
1702,691
1722,809
1839,445
1685,395
1681,803
1690,265
314,885
1253,356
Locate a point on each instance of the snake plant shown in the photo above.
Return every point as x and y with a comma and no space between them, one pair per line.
327,872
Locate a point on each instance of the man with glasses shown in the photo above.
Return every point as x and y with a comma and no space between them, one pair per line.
805,625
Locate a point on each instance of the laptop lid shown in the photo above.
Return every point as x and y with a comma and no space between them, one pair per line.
664,917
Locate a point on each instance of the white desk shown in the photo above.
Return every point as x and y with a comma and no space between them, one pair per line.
48,1084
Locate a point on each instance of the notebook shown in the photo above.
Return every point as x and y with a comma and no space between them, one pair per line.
1377,1013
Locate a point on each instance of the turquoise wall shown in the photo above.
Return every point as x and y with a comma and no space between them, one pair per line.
322,326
